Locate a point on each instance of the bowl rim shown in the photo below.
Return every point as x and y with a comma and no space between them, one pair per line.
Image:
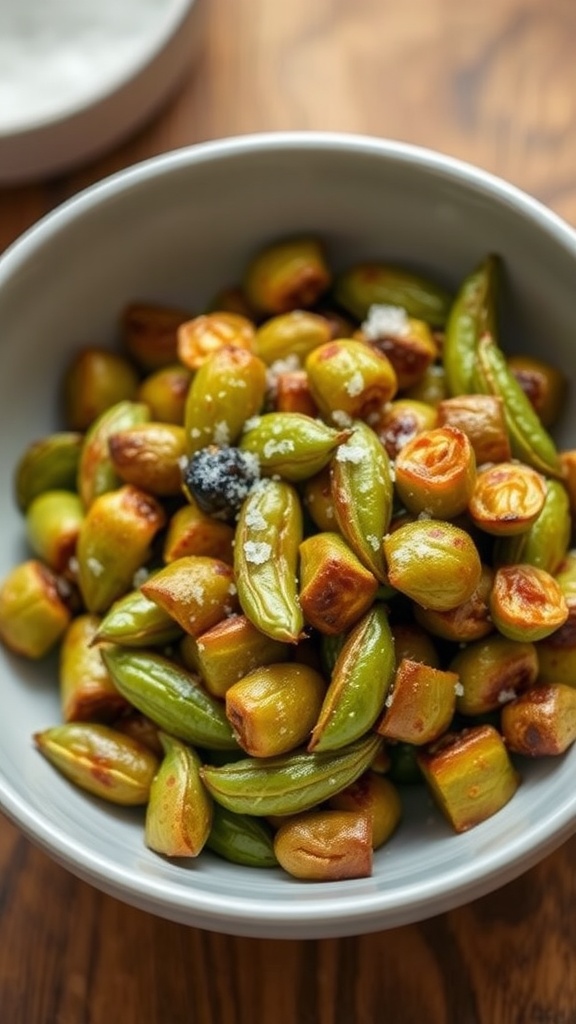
445,165
353,912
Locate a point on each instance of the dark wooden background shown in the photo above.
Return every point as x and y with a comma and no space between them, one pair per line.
493,83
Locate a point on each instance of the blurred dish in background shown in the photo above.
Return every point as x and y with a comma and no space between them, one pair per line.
76,77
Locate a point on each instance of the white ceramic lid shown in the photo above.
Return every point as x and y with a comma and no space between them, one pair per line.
76,76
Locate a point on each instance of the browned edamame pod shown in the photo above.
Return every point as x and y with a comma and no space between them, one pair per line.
228,651
375,795
33,611
433,562
542,721
95,380
114,543
272,709
335,588
493,671
436,473
507,499
87,692
326,845
201,337
101,760
96,473
470,775
526,603
195,590
481,418
420,704
179,811
286,275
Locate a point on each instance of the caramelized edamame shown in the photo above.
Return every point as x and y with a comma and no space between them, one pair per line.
286,546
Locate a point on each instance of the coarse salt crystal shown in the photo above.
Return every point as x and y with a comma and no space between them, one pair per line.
252,463
140,577
221,434
257,552
281,447
351,453
252,423
506,695
255,520
280,366
195,591
290,362
355,385
459,689
340,418
385,321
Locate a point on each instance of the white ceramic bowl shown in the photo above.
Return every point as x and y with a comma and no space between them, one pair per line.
175,229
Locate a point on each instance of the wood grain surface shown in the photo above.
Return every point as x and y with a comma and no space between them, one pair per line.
493,83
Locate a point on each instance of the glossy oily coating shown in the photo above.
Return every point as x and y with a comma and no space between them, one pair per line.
238,578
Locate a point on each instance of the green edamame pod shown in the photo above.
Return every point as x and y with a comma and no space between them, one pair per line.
137,621
291,334
47,465
291,444
330,647
268,536
566,576
291,783
434,563
529,440
96,472
170,696
471,316
369,284
361,678
227,389
241,839
179,811
362,494
53,521
545,543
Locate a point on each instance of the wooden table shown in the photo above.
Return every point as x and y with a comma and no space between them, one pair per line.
493,83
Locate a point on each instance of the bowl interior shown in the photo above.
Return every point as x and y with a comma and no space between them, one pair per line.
176,230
